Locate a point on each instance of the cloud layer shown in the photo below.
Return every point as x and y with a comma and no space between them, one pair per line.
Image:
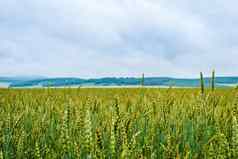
118,37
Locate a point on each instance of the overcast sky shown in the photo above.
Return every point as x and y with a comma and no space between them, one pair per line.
92,38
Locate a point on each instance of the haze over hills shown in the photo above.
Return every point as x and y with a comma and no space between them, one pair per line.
39,81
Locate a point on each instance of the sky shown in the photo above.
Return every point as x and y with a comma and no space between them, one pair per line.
91,38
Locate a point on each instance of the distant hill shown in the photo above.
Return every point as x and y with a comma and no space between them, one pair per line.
20,78
111,81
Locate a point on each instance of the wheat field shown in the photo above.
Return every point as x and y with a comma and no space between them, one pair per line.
172,123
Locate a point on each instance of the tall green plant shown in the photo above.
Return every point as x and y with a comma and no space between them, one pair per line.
202,82
143,80
213,80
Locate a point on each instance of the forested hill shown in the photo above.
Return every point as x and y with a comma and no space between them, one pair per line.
130,81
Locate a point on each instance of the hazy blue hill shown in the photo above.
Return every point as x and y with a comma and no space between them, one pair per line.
112,81
230,80
20,78
48,82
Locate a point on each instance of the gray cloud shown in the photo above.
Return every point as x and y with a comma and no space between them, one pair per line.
118,38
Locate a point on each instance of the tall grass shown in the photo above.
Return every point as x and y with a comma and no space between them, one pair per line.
202,83
213,80
118,123
143,79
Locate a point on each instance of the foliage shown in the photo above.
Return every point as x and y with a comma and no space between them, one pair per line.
118,123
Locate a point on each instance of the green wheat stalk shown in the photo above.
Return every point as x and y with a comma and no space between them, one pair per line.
213,80
143,80
201,82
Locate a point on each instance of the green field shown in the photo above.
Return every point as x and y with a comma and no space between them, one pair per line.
118,123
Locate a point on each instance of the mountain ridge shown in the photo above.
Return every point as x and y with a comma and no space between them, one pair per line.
222,81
